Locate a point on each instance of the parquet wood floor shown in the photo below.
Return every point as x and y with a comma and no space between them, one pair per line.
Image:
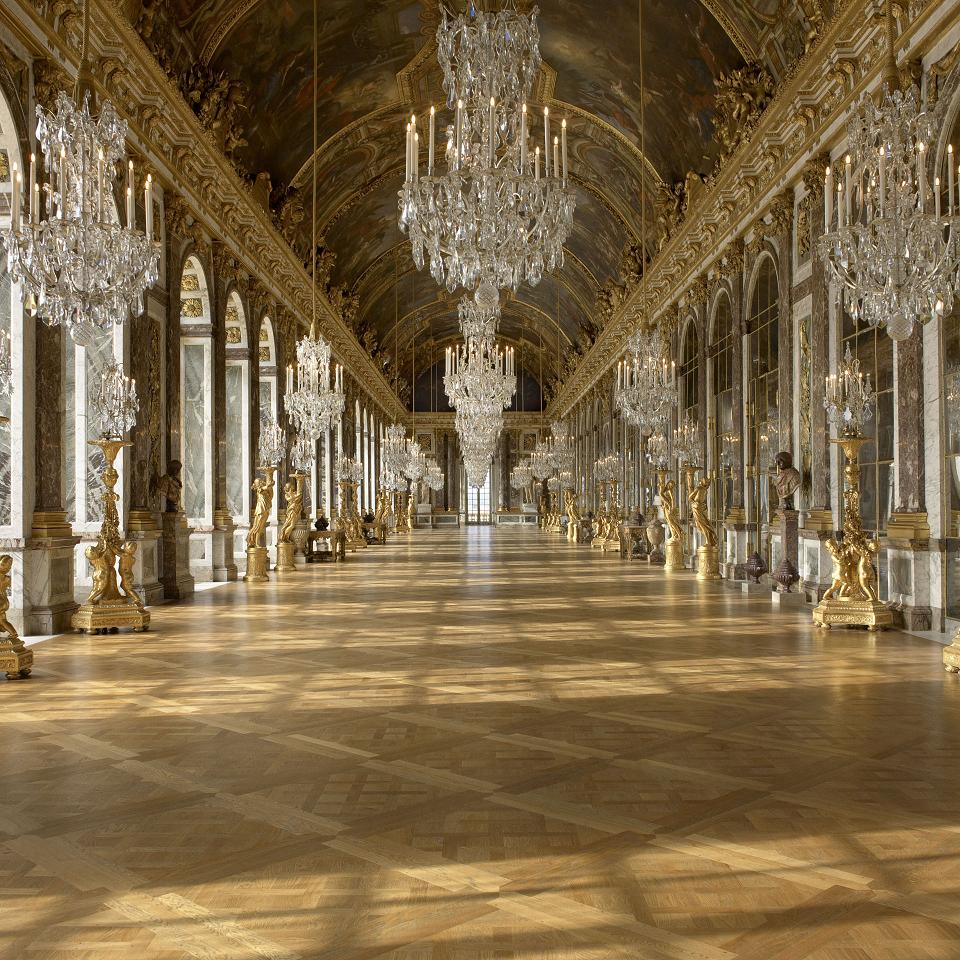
475,745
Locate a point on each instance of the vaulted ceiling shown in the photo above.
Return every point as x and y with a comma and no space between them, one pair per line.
377,63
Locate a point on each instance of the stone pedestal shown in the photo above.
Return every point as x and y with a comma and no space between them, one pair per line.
673,551
285,562
708,563
751,589
142,528
224,569
787,572
176,579
49,602
909,586
257,564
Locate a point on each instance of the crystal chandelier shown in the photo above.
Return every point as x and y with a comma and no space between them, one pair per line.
480,381
607,469
560,445
893,253
348,469
115,402
491,215
646,382
270,448
312,406
302,454
687,443
541,461
393,459
415,468
77,266
434,476
521,476
657,449
848,398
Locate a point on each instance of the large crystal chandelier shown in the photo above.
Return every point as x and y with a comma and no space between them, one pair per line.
492,215
348,470
646,381
480,381
521,476
541,461
77,266
312,405
894,253
393,459
415,467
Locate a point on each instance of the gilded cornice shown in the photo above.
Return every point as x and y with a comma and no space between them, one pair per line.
804,117
163,126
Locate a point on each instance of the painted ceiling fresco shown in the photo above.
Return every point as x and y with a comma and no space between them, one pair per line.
377,63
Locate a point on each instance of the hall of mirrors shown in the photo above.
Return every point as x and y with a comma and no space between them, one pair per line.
479,480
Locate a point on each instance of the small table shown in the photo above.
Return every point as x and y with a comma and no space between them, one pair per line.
338,546
379,531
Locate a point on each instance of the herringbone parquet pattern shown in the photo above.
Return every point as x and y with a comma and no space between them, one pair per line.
481,745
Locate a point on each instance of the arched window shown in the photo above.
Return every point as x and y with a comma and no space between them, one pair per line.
238,416
720,359
763,375
687,372
196,393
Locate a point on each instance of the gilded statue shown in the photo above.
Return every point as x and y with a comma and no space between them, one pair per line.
668,501
127,559
697,494
104,586
263,488
6,563
572,508
787,479
293,494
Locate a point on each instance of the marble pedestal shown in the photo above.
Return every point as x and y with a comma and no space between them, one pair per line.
787,571
176,578
909,585
224,569
142,528
48,594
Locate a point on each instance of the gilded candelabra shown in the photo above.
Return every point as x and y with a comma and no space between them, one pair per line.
673,549
113,601
350,521
852,599
612,539
286,548
600,517
257,562
708,555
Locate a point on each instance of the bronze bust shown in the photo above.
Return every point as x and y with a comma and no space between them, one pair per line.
787,480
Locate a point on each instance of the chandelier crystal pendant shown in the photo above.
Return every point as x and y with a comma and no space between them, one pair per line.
890,245
492,215
646,381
